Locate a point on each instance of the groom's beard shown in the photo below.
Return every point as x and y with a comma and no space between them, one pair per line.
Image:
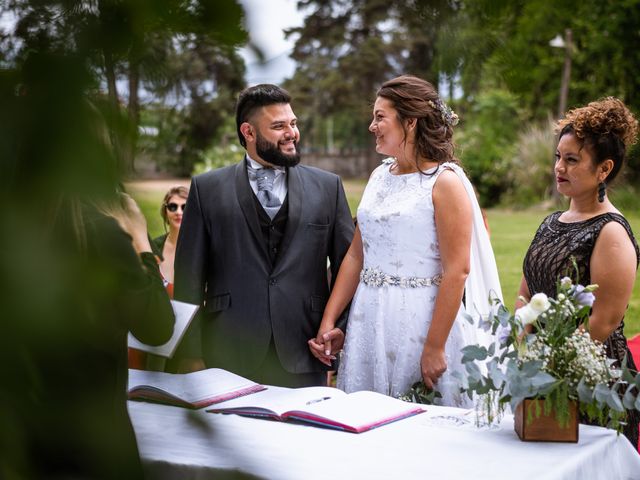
270,152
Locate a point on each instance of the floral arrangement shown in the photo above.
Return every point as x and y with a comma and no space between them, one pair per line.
539,353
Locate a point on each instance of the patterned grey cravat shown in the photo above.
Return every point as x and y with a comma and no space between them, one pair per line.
265,177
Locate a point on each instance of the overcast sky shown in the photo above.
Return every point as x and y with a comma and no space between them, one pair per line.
265,22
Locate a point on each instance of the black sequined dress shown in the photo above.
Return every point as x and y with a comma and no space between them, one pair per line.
549,258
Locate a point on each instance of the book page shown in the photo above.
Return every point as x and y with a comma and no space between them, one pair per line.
198,388
357,412
276,400
184,313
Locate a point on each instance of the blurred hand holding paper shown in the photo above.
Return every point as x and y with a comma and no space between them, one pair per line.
184,313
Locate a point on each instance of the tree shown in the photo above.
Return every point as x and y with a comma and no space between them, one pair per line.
203,79
120,39
505,44
346,49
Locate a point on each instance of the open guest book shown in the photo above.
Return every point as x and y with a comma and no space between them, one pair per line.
324,406
190,390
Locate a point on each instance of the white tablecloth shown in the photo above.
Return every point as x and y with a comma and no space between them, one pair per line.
176,443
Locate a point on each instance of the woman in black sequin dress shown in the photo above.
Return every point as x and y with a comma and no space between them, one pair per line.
591,149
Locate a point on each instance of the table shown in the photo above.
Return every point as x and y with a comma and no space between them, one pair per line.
176,443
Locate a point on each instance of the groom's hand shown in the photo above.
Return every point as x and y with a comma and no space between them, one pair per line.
326,345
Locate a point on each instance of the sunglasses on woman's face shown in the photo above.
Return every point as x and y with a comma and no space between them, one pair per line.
173,207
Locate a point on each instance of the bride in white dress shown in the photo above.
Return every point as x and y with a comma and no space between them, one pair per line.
420,245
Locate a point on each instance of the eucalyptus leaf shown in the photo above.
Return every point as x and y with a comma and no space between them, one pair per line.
504,354
628,399
503,315
601,393
496,374
515,401
508,353
467,317
613,400
520,387
483,389
473,370
473,352
627,376
512,369
531,368
542,380
461,379
585,393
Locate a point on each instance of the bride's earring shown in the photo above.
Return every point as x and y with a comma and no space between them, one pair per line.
602,190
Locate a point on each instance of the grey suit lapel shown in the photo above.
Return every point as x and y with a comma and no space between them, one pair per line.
247,205
295,199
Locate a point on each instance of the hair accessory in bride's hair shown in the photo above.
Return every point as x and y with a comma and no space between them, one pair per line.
448,116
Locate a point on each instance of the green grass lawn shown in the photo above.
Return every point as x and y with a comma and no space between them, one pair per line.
511,233
149,203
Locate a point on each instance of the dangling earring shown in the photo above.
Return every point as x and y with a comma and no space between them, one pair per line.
602,190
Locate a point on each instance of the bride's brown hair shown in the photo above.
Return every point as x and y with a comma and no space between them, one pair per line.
607,127
413,97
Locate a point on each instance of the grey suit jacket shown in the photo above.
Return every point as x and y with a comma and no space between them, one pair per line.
223,265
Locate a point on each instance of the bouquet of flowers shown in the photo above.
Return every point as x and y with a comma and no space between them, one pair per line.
539,353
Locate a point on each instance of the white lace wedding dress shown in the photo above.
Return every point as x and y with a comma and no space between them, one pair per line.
393,305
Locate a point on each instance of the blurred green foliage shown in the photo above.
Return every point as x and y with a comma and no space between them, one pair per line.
224,153
65,140
530,176
487,142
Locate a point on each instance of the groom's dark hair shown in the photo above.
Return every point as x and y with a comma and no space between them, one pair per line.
252,98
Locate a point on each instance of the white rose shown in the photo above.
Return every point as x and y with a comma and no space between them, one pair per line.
539,303
526,314
565,282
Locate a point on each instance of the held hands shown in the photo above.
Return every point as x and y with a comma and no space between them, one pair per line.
327,343
433,364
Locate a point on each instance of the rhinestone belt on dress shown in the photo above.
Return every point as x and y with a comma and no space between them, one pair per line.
375,278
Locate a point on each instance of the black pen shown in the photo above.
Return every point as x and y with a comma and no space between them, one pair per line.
310,402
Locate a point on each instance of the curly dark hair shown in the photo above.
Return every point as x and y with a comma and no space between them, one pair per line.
606,127
413,97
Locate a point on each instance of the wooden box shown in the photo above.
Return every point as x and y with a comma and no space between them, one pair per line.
544,428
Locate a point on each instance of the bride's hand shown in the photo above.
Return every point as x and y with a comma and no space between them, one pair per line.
433,364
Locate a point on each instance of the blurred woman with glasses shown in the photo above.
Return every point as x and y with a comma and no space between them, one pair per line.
171,211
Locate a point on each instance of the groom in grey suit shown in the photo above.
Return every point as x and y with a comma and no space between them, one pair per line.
253,250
